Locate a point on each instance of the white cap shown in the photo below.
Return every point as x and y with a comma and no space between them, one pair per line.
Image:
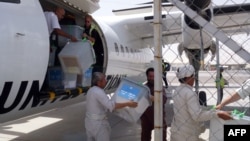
185,71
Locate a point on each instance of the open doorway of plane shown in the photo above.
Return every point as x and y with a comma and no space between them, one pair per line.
73,23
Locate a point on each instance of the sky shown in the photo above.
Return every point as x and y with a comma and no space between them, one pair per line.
108,5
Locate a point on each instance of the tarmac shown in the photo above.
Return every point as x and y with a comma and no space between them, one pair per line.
67,124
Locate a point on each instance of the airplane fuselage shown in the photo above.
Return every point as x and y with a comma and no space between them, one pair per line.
25,50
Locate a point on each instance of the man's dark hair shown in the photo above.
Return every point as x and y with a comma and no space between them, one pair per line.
148,70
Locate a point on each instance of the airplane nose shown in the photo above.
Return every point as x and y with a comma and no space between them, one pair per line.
197,5
202,7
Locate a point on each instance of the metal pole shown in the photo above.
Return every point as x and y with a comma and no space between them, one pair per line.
158,108
201,63
218,70
202,51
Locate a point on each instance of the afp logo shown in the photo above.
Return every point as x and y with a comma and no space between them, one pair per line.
239,132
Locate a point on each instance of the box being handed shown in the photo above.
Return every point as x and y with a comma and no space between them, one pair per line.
73,30
130,90
217,127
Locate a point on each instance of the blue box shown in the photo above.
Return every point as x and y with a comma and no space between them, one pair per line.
55,77
87,77
129,92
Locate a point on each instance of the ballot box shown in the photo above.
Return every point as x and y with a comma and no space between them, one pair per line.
77,57
217,126
130,90
70,80
73,30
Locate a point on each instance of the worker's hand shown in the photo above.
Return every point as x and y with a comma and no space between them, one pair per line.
84,35
132,104
226,115
218,107
73,39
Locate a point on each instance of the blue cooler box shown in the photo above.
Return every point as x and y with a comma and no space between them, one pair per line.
130,90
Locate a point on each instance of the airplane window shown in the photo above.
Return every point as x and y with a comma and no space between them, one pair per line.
131,50
122,49
116,48
127,49
11,1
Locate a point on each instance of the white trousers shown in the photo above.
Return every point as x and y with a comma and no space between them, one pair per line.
97,130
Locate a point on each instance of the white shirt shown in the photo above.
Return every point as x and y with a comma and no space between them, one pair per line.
96,123
98,103
52,21
244,90
188,113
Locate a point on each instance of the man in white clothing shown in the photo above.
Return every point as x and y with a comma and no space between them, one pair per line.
97,106
188,114
53,19
54,28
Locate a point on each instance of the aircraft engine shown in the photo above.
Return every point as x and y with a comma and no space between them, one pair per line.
193,37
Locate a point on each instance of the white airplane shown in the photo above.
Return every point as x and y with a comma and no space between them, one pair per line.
197,39
127,42
25,55
229,18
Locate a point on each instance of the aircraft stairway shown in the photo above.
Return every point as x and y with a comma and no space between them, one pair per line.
58,93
